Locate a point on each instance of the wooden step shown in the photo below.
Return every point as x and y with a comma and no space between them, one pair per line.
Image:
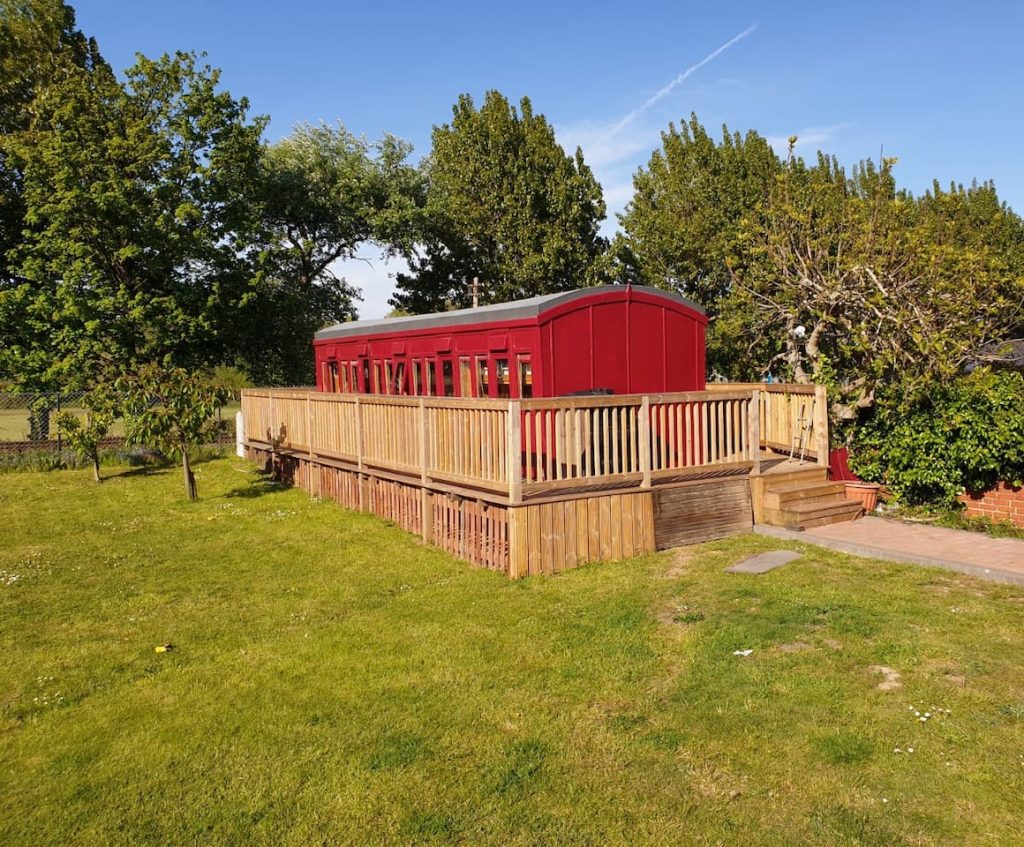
807,514
811,507
780,497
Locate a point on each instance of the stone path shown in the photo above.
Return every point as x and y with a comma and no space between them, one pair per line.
764,562
999,559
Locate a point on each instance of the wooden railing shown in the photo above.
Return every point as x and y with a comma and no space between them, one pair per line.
531,448
634,439
793,417
461,441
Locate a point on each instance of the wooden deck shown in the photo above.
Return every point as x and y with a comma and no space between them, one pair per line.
541,485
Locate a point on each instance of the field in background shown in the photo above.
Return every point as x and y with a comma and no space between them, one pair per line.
332,680
14,425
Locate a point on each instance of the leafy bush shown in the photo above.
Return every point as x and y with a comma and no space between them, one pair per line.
968,434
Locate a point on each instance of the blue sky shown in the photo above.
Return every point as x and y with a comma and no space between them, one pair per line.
938,85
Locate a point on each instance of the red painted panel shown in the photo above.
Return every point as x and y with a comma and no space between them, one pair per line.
568,338
685,371
646,348
608,347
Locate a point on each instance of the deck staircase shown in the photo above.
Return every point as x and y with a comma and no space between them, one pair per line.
805,499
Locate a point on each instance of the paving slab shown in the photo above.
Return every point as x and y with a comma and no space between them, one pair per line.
763,562
998,559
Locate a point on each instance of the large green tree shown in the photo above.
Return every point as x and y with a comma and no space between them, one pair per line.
681,230
323,193
850,282
504,204
138,223
38,40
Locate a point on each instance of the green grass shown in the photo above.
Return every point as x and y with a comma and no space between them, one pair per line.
333,681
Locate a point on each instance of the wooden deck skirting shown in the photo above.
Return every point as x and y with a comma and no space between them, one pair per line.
532,486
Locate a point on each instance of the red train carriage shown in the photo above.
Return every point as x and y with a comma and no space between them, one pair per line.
620,339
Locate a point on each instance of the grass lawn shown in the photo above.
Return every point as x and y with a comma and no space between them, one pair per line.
333,681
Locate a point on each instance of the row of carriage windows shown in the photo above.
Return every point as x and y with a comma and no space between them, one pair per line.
478,376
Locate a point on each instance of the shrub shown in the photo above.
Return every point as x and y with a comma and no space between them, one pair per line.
969,434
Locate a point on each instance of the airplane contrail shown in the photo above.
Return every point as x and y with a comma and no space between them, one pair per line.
664,92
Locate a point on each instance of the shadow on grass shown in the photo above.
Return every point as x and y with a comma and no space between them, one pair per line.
260,487
140,470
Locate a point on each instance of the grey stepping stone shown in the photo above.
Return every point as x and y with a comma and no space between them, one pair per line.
764,562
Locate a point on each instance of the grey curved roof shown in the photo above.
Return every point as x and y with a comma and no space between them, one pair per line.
497,312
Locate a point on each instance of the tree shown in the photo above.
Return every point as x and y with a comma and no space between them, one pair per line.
38,41
855,284
139,223
681,229
85,436
323,193
173,411
505,204
968,433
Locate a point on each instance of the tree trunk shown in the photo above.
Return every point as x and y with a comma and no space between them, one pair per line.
190,479
96,466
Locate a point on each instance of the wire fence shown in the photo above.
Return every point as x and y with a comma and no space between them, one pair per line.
28,422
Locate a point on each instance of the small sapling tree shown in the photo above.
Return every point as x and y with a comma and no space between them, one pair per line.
173,411
85,435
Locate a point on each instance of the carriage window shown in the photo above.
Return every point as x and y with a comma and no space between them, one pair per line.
448,377
465,381
504,378
378,384
365,385
482,377
353,368
398,387
431,378
344,378
525,378
332,376
416,376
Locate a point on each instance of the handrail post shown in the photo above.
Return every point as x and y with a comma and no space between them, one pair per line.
515,449
359,434
423,440
754,430
361,497
309,428
273,421
821,424
645,440
426,499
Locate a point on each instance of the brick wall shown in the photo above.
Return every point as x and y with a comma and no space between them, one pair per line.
1001,503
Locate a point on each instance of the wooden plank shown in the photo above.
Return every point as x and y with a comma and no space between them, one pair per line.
557,519
615,526
593,529
569,536
582,530
532,515
629,519
604,511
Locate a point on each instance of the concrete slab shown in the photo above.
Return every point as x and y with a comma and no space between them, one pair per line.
996,559
764,562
